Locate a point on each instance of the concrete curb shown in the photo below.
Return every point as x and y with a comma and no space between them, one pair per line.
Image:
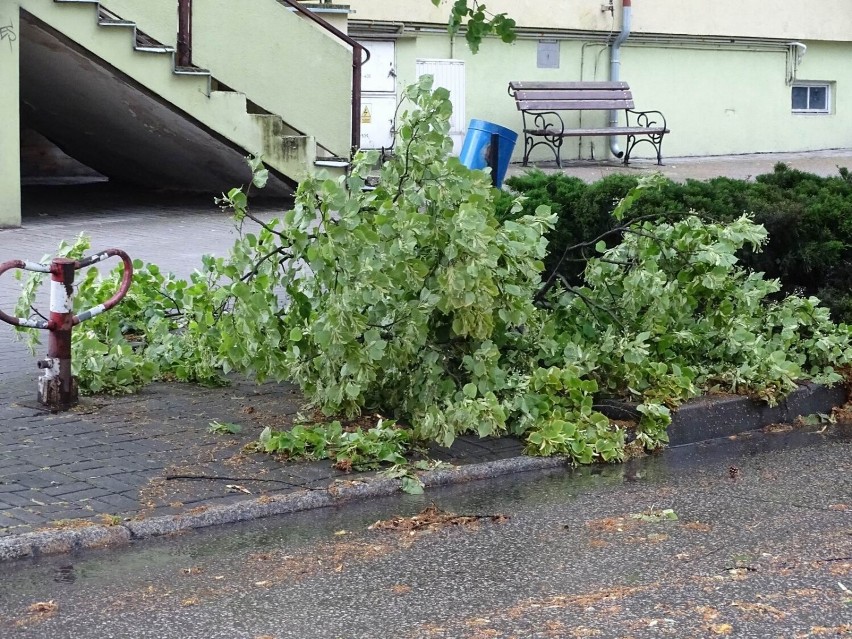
725,415
698,420
50,542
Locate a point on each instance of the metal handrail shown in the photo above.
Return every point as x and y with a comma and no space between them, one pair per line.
184,54
184,38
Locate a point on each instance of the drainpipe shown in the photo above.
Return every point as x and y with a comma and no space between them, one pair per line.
615,69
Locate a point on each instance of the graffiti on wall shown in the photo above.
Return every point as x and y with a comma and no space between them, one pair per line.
7,32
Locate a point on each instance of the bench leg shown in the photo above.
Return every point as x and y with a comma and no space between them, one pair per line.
553,142
528,145
654,140
628,148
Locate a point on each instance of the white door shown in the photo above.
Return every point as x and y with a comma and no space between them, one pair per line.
450,75
379,74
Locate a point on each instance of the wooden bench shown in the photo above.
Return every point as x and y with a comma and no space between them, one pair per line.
541,103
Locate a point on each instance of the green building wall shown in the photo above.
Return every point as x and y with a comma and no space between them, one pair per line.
10,155
717,100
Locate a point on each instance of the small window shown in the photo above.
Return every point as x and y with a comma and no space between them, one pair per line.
548,54
811,98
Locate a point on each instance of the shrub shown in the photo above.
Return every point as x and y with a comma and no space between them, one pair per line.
808,218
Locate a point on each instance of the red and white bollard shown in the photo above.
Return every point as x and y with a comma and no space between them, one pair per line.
57,388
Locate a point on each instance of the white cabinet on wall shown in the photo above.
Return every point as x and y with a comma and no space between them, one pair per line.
379,74
450,75
378,95
377,127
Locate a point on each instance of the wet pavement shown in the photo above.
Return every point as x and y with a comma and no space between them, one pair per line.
761,548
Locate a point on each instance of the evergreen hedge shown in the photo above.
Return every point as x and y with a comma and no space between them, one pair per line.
808,217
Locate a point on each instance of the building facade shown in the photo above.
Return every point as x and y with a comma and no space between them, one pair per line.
731,76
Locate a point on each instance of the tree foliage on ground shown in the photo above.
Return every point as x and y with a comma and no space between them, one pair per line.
416,300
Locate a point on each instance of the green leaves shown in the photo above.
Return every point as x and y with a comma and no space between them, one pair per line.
350,449
478,23
411,288
224,428
414,299
654,516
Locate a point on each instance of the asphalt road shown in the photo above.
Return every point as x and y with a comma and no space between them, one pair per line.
761,548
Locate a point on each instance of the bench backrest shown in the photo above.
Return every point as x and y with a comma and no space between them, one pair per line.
571,96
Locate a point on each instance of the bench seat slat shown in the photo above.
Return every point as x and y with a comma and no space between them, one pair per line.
517,86
624,130
565,94
573,105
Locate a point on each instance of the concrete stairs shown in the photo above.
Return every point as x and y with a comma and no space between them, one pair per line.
207,107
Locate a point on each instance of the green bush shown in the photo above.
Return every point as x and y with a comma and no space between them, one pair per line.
808,218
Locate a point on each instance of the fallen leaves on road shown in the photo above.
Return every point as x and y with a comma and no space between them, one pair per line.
612,524
38,612
433,518
759,609
721,629
43,608
236,488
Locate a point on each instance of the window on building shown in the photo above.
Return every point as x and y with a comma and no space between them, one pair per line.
812,98
548,54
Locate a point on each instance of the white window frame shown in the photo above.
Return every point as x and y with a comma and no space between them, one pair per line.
808,85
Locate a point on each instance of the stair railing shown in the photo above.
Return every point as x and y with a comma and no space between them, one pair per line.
184,39
360,55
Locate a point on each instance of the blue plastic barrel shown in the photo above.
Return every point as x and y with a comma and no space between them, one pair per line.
476,150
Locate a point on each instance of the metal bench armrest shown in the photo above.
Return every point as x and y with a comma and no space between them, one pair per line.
545,125
643,118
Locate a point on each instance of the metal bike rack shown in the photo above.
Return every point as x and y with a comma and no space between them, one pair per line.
57,388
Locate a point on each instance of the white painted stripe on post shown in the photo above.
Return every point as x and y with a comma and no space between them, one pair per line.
97,310
37,267
60,301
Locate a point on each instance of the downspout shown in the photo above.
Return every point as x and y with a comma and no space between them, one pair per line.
615,69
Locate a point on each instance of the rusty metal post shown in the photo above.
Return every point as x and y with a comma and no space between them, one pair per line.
56,387
184,36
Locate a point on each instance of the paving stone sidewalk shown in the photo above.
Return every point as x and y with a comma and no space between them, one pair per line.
117,458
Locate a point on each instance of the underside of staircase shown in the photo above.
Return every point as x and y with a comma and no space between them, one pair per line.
137,117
